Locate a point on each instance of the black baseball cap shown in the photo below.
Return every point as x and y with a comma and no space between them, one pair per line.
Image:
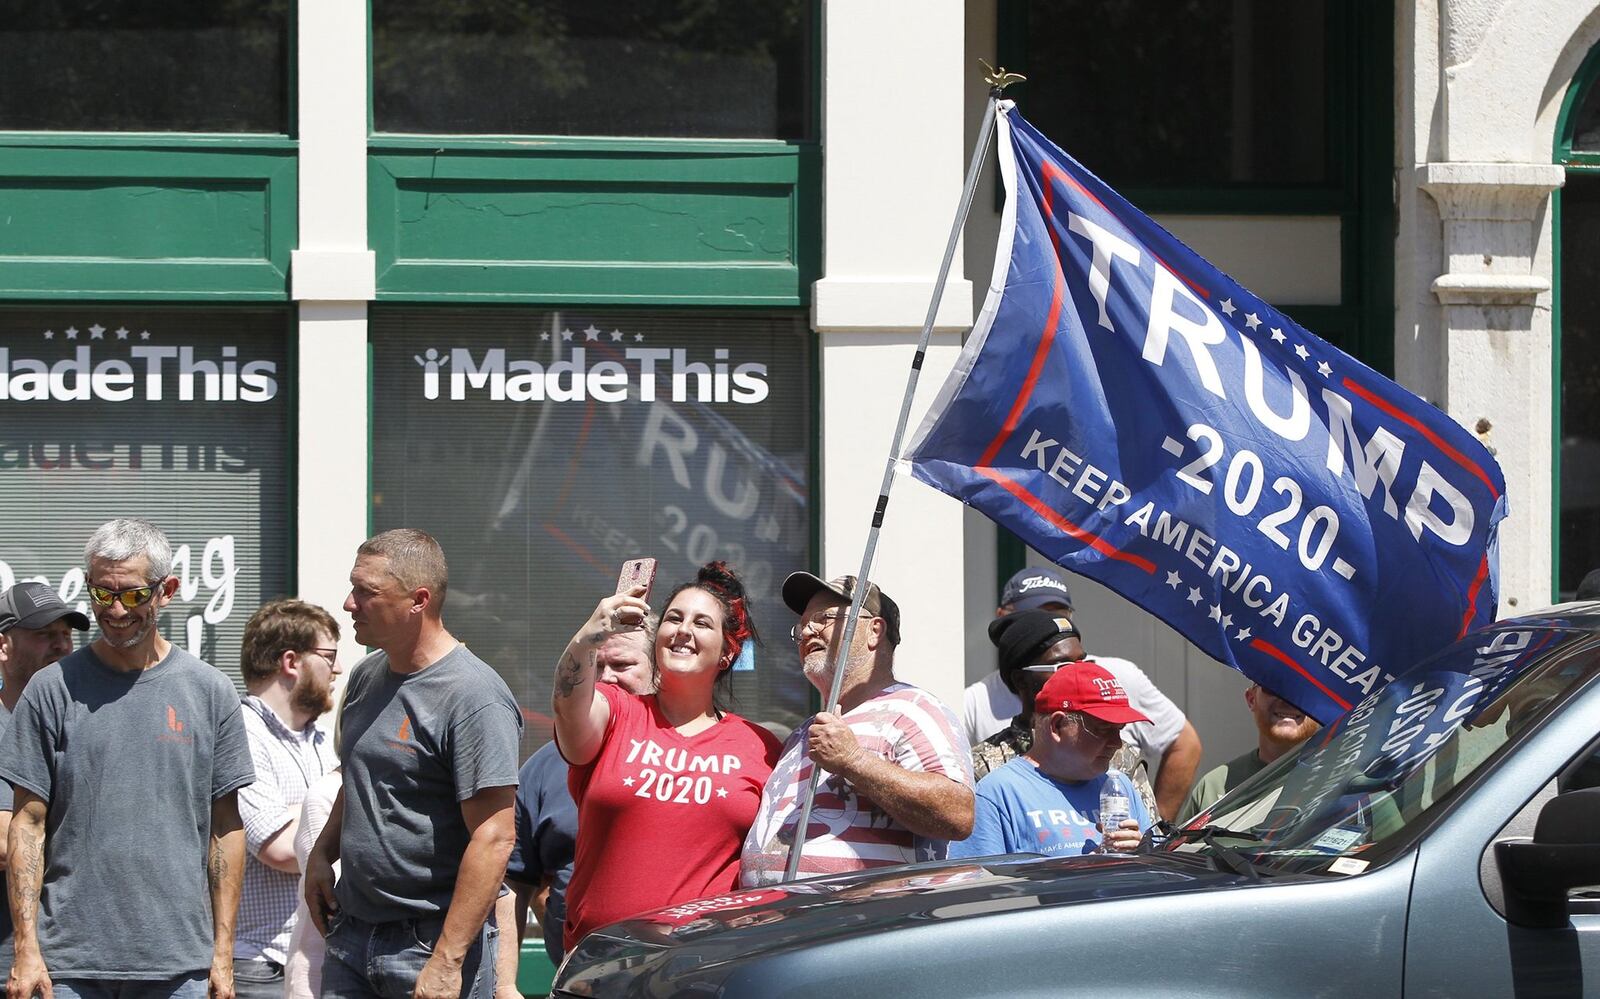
34,605
1035,587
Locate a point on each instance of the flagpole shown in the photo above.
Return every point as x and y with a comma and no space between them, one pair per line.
998,80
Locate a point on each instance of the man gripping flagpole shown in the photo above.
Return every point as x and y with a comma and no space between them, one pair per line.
1138,417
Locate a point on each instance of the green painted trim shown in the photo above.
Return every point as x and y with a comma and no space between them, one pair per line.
176,260
535,971
1583,81
463,252
174,141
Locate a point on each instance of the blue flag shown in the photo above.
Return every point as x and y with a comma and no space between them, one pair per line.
1136,416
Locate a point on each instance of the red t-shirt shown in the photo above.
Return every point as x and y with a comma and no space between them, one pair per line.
661,817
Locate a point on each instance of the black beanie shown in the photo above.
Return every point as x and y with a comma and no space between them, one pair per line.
1020,637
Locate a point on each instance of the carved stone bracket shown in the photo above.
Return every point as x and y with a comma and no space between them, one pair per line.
1489,211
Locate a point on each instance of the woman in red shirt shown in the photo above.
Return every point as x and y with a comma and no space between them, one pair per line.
667,784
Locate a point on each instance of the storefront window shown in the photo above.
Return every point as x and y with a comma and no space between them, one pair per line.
135,66
673,68
178,416
544,448
1580,379
1211,92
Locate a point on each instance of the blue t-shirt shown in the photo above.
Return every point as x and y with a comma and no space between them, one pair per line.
547,837
1020,810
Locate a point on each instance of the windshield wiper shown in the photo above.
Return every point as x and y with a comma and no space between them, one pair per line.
1226,856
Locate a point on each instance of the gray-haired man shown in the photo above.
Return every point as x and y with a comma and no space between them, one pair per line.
127,741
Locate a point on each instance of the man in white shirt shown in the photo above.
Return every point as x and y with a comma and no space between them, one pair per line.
1167,740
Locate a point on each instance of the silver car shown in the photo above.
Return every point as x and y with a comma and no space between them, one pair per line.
1434,841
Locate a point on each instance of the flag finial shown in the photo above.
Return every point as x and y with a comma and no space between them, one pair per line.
998,79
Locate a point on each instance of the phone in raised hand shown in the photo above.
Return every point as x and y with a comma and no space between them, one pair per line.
635,573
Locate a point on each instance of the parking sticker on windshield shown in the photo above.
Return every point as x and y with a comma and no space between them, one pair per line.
1348,865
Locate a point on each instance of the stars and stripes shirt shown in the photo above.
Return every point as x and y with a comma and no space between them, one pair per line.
906,726
287,763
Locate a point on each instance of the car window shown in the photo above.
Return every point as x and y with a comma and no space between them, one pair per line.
1366,782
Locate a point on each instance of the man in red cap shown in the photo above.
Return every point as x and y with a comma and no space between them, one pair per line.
1048,800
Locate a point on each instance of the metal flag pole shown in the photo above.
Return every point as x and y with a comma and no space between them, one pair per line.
998,80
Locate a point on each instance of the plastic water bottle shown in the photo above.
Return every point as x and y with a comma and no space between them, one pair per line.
1114,807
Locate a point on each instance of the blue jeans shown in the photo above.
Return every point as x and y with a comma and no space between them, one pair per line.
382,960
195,986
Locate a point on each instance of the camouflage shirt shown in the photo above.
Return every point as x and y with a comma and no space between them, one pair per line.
1016,738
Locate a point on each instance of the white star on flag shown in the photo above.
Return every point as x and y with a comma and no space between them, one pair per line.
638,338
1277,335
591,333
144,334
1227,307
616,336
49,334
1174,580
97,332
72,333
1227,620
122,332
1300,349
1216,613
545,336
1324,369
1252,320
566,334
1194,595
1243,634
628,781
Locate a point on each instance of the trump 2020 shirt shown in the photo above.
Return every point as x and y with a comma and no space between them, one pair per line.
1020,810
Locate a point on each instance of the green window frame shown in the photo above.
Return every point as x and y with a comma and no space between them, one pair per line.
1360,120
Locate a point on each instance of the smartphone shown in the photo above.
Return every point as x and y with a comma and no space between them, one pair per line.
636,573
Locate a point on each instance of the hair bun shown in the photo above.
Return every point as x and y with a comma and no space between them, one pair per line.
720,576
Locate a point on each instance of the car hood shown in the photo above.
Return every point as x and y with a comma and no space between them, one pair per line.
708,937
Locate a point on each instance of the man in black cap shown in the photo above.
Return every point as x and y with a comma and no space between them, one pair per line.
35,631
1167,740
896,782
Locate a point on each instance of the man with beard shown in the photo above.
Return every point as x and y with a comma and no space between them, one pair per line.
1280,726
126,758
289,659
896,782
35,631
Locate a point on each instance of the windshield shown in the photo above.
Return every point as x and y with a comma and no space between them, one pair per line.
1364,783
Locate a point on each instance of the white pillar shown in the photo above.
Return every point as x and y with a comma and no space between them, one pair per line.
894,156
333,276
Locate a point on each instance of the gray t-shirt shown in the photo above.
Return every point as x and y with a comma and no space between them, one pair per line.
129,764
413,748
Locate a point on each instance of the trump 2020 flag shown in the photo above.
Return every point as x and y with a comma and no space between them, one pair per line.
1138,417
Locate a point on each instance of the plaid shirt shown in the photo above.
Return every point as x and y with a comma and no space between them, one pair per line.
287,762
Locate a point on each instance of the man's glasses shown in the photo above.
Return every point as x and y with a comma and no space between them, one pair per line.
133,596
1098,729
331,655
820,620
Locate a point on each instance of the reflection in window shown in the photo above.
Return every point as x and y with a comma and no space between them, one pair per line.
136,66
1210,92
1580,379
544,448
683,68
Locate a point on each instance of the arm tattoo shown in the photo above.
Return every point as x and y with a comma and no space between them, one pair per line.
217,866
27,877
569,675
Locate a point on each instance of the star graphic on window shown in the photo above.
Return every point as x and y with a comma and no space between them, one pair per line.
122,332
144,334
638,338
1252,320
1301,350
616,336
72,333
591,333
545,336
49,334
97,332
1194,595
1174,580
1227,307
566,334
1242,634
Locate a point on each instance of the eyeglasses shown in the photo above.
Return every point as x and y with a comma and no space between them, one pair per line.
820,620
133,596
1103,731
332,655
